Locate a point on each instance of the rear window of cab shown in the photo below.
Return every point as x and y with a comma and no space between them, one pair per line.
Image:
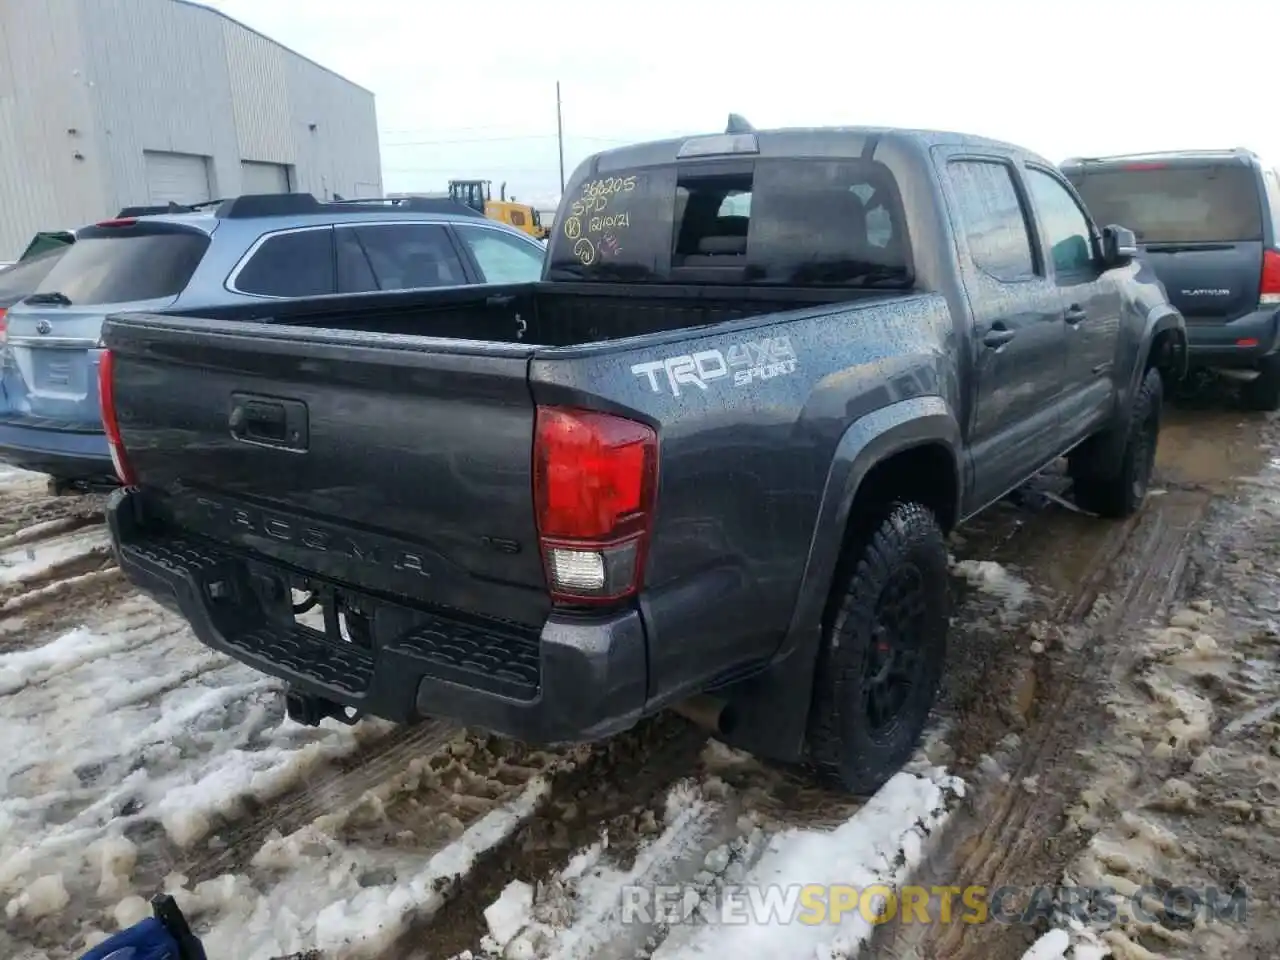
768,221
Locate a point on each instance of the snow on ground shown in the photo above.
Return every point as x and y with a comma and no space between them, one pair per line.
26,562
1182,814
133,753
125,722
718,869
345,899
994,579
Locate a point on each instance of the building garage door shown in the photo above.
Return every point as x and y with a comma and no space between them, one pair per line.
177,178
263,177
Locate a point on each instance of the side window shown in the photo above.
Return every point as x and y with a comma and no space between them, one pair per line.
407,256
355,275
1065,226
296,264
1273,195
991,215
503,258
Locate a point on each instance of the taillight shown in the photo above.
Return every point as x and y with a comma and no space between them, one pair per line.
117,222
110,422
4,326
1270,291
594,483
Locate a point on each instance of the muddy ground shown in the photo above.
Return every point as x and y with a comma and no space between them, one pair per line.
1062,686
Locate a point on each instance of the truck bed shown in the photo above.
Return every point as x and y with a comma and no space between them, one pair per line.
544,314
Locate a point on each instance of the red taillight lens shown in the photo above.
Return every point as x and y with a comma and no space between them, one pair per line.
117,222
4,325
110,424
1270,291
594,481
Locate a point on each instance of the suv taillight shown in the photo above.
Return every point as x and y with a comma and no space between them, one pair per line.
1270,291
594,484
4,326
110,423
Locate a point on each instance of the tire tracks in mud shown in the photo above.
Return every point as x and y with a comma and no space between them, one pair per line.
617,788
1005,834
24,508
338,785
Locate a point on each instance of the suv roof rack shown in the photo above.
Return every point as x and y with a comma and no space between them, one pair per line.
411,204
1202,152
302,204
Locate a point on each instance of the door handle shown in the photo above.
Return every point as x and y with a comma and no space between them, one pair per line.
997,337
1076,315
268,421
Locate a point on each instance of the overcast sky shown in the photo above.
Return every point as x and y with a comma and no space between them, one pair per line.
468,89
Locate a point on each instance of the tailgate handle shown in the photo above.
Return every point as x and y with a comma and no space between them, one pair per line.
269,421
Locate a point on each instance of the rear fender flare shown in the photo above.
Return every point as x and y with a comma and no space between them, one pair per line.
775,703
1159,319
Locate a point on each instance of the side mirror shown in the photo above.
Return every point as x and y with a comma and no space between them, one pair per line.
1119,245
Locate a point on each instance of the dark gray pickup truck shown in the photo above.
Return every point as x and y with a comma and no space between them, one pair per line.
712,456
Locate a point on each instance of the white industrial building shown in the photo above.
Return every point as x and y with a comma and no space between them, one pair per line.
113,103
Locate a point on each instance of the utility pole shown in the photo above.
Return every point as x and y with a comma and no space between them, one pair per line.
560,135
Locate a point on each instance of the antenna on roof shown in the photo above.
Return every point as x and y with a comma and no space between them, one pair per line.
738,124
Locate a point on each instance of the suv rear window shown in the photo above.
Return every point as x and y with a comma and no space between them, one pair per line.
774,221
24,276
124,264
1176,204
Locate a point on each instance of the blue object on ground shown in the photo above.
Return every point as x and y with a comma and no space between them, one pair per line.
148,939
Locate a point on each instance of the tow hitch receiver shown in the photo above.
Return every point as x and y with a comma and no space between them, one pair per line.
308,709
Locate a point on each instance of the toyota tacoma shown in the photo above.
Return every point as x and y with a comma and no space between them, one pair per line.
711,456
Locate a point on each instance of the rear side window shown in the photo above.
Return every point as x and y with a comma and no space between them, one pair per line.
123,264
408,256
992,218
1176,204
298,264
775,221
502,257
1273,201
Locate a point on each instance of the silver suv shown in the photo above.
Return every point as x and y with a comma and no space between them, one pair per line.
245,250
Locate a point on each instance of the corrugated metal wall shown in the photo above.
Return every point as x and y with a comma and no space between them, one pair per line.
160,75
52,175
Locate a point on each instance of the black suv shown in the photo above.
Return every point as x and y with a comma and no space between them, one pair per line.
1208,222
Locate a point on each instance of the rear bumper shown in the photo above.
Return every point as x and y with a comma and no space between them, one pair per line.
1240,343
575,680
61,453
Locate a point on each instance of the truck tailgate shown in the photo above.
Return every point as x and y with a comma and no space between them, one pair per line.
385,462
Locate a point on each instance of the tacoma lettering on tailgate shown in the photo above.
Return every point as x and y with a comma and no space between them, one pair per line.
226,518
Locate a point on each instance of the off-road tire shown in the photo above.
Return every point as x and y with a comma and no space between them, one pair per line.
1117,487
893,583
1263,392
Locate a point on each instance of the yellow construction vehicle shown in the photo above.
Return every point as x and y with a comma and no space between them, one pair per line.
478,195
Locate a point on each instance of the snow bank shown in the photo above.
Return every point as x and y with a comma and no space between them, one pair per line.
881,844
